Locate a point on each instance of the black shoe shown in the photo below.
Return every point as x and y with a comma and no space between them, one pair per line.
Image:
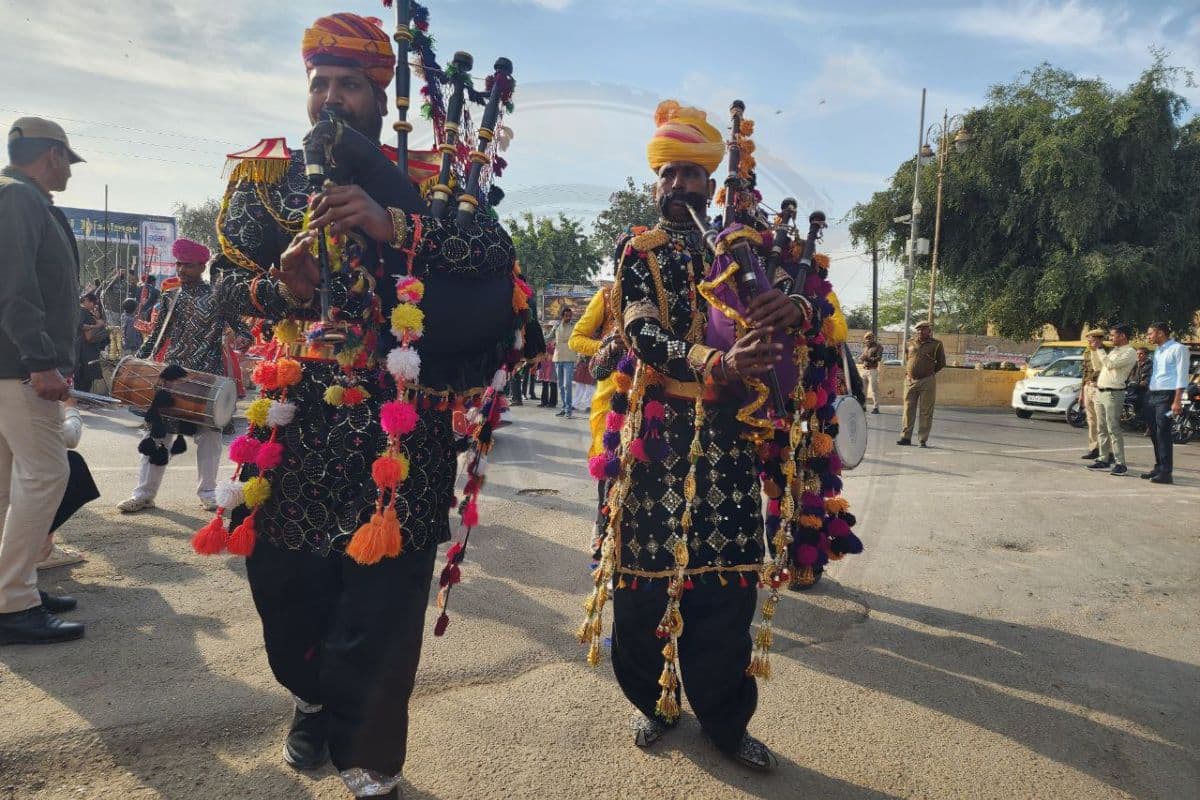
1091,455
647,730
1119,469
1162,477
36,626
394,794
904,442
755,754
1099,465
924,445
874,410
306,747
58,604
1149,476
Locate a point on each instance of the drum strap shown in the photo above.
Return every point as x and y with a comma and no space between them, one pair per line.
162,331
846,369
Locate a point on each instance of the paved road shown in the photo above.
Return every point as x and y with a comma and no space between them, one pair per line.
1019,627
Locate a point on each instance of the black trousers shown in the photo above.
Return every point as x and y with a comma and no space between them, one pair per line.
549,393
714,652
348,638
1157,406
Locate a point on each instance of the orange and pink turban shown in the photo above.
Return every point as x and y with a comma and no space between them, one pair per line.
684,134
348,40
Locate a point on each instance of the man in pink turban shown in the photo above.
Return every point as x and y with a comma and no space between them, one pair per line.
189,330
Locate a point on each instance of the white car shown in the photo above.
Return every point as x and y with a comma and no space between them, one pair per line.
1054,391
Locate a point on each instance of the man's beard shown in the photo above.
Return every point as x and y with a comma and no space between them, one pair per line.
694,200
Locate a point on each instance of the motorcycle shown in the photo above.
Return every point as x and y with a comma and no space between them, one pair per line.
1186,425
1132,418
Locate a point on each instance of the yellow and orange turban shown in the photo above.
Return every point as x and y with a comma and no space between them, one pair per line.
683,134
348,40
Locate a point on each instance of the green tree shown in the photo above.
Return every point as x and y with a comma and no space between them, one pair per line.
553,250
1075,203
633,205
859,317
199,222
951,313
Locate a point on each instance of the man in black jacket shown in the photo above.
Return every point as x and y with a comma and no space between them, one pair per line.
39,306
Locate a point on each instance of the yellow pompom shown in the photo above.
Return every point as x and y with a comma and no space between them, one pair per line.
256,491
287,331
407,317
256,412
666,111
333,395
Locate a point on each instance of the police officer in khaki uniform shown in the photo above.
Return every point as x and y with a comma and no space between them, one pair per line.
1092,355
926,358
872,354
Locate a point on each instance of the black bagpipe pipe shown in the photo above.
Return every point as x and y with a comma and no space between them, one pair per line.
501,83
318,148
748,284
441,193
780,278
403,37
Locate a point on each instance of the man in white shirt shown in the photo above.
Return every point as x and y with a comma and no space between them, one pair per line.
564,360
1168,379
1115,367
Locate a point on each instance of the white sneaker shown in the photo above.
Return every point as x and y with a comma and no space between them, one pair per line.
134,505
61,557
208,503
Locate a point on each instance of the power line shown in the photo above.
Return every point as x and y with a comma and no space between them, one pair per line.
155,158
19,112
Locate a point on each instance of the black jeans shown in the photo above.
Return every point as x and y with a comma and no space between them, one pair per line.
1157,406
346,637
714,652
549,394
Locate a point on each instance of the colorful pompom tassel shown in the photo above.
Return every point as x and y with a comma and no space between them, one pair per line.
242,540
210,540
367,545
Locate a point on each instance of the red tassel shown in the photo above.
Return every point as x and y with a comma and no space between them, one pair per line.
439,627
241,541
455,553
742,580
471,515
210,539
687,584
634,584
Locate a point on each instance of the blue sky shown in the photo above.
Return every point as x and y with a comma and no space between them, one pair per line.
154,92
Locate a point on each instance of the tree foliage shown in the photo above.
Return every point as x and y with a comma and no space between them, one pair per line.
199,222
1075,203
553,250
952,313
633,205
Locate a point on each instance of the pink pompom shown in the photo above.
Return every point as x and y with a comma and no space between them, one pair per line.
638,449
807,555
614,421
773,507
653,411
244,449
596,466
471,515
269,455
812,285
822,397
398,418
838,527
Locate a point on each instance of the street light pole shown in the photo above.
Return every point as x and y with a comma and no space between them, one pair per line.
912,233
937,218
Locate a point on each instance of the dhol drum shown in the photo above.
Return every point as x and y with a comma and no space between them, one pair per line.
199,397
851,440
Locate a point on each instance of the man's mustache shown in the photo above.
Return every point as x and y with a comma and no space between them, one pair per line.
693,199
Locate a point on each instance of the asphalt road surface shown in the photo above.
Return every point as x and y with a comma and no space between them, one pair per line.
1018,627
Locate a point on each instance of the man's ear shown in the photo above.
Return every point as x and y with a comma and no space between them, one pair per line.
381,102
712,188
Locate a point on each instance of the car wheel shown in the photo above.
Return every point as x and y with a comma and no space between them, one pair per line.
1022,413
1076,416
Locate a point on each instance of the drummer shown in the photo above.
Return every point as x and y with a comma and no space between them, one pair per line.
189,331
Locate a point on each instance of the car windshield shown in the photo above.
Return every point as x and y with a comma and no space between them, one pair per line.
1048,355
1065,368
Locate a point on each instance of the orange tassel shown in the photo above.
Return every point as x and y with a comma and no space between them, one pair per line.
367,545
393,537
210,539
241,541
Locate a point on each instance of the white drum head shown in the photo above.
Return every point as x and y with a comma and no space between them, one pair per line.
851,441
224,403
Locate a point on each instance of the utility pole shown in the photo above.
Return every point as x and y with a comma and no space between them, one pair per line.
875,288
910,269
937,219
